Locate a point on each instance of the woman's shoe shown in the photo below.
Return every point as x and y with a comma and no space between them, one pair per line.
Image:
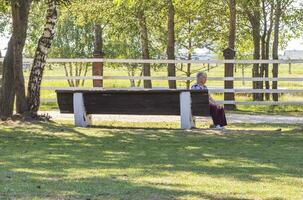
218,127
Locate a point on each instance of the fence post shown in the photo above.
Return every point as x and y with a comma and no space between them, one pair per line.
229,54
98,69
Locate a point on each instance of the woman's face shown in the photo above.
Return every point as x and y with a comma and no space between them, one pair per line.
202,80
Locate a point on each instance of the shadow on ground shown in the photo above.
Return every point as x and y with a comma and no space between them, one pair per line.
54,161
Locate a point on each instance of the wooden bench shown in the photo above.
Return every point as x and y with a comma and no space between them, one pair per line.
83,103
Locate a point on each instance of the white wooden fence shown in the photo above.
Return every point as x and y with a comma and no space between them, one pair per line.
181,78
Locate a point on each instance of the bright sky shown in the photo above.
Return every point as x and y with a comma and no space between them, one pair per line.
3,44
296,44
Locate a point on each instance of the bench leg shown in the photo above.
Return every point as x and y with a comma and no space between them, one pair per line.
80,116
187,121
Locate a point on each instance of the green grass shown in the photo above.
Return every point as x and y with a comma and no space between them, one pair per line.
123,161
285,110
297,71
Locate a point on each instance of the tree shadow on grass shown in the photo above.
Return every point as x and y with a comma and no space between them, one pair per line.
43,157
105,188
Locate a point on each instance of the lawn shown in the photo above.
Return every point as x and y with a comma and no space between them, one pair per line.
123,161
118,70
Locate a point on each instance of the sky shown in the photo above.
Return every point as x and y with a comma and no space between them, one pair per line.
295,44
3,44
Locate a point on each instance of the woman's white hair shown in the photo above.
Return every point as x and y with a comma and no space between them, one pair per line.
201,74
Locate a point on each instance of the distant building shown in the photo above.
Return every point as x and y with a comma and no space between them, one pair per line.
293,55
198,54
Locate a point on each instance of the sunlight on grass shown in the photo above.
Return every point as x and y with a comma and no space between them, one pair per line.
124,161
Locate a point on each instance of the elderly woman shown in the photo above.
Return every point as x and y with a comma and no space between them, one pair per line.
216,111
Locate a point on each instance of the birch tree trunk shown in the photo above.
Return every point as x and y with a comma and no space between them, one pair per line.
44,44
171,43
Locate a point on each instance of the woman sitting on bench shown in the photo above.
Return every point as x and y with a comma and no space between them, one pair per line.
216,111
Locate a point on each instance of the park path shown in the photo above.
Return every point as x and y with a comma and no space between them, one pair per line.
231,117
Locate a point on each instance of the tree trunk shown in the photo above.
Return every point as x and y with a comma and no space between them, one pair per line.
256,67
267,47
44,44
229,68
13,79
8,84
1,70
232,24
131,72
189,57
254,17
171,44
144,47
98,53
189,54
263,42
275,53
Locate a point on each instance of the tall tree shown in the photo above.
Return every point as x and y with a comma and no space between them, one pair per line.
275,53
98,14
144,46
98,53
1,69
229,68
253,13
194,29
267,13
287,14
232,24
171,43
37,70
13,79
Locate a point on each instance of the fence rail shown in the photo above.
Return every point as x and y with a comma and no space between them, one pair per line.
165,78
162,61
46,100
211,90
180,78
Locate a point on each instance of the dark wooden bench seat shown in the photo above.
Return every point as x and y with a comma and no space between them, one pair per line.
83,103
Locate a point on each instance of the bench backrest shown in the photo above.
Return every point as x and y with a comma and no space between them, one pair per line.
134,102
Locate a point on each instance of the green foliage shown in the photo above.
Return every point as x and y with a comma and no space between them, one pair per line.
35,27
202,23
72,40
4,18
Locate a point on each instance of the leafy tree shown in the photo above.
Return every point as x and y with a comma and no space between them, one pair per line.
73,41
44,43
13,79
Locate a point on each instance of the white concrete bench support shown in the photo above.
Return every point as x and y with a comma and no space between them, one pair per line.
80,116
187,120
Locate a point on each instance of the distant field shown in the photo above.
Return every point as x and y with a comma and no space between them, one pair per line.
214,71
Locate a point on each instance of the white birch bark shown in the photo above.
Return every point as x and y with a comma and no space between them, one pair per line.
44,44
